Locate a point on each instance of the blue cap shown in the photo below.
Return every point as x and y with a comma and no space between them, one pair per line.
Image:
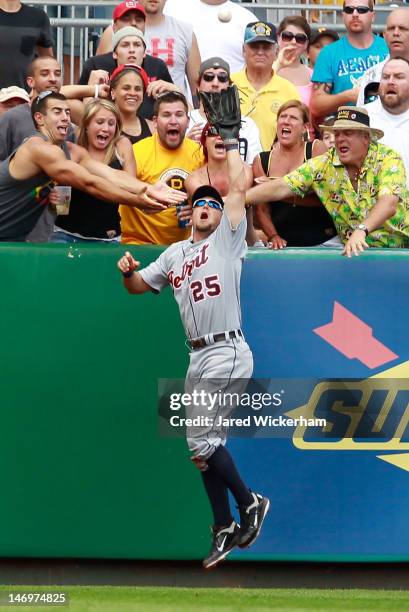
260,31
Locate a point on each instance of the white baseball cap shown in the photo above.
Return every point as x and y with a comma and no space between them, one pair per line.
8,93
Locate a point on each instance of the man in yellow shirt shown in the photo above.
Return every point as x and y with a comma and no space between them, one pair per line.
169,157
262,92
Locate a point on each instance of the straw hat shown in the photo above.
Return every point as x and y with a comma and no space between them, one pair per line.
353,118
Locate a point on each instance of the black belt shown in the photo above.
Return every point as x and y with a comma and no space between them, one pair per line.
197,343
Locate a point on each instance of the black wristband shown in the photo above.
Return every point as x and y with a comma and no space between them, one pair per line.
128,274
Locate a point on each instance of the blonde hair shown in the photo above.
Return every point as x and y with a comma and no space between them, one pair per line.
90,111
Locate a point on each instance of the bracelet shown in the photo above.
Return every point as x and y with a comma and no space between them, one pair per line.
96,91
128,274
231,145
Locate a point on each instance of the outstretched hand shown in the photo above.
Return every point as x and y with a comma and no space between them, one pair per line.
165,194
149,203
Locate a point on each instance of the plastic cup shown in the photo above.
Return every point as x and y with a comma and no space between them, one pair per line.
64,199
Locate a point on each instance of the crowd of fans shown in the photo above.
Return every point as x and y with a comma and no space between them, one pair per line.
324,137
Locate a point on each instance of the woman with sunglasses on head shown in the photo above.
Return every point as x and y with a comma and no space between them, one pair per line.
89,218
215,173
285,223
294,35
214,76
128,85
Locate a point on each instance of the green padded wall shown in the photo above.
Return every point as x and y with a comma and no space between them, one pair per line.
83,472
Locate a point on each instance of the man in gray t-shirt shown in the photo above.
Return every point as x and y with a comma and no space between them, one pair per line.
204,274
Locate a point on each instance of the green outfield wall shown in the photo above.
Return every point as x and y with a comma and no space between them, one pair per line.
83,470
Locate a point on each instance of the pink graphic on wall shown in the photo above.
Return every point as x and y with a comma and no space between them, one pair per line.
353,338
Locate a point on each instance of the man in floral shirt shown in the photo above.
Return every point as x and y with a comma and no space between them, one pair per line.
360,182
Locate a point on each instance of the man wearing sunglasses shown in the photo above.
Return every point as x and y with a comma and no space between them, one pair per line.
341,65
204,275
29,174
214,76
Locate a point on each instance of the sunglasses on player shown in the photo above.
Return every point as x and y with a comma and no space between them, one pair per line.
211,76
361,10
287,36
209,202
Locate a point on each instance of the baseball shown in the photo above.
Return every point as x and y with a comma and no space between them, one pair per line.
224,15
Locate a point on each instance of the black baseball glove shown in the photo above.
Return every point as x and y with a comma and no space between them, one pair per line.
223,111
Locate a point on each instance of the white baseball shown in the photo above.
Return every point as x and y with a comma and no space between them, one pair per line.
224,15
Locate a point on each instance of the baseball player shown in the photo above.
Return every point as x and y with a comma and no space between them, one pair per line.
204,274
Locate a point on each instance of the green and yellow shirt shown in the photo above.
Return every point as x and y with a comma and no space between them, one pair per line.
382,173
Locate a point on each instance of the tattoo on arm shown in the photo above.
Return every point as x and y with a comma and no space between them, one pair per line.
325,87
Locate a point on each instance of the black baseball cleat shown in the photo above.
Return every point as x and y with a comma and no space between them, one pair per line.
224,539
251,519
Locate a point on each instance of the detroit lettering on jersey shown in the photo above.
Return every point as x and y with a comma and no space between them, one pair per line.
205,279
187,269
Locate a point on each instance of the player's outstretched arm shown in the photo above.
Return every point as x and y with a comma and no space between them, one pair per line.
234,204
222,110
133,281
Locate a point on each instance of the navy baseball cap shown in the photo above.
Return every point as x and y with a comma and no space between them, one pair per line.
207,191
260,31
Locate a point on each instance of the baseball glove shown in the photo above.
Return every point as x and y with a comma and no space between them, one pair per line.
222,110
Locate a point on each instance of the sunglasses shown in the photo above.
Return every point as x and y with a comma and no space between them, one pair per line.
287,36
211,203
212,131
41,96
211,76
361,10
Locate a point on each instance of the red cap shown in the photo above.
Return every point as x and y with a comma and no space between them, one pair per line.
124,7
138,69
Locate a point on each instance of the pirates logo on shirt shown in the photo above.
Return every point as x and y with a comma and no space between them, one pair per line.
275,106
175,178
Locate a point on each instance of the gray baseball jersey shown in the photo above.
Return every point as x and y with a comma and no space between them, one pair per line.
205,279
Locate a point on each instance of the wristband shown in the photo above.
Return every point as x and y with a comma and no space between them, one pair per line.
128,274
231,145
96,91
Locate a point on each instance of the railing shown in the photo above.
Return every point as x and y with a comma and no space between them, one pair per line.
78,25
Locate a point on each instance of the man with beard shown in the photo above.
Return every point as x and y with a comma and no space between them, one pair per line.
169,157
390,112
397,38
